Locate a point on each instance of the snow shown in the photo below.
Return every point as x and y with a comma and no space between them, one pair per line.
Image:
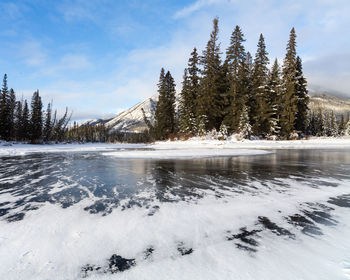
183,153
54,243
25,149
234,143
192,148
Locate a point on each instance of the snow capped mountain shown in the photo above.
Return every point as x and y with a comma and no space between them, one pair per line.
132,120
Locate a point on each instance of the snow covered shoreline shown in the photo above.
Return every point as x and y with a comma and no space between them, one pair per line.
192,148
313,143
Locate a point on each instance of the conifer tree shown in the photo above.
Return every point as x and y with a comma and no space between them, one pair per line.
36,121
18,120
188,96
185,114
165,110
302,98
261,111
289,98
11,109
334,125
320,128
48,125
327,129
274,97
209,101
5,122
244,127
341,127
347,128
24,132
235,58
193,75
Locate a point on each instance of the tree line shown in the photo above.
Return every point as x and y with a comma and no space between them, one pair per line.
238,94
29,123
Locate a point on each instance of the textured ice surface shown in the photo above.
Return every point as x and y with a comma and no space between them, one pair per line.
284,215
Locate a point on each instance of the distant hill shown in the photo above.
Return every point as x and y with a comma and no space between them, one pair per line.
131,120
328,102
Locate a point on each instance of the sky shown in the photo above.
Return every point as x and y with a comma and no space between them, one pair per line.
99,57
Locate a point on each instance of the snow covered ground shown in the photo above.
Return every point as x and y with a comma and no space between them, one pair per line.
195,147
25,149
233,143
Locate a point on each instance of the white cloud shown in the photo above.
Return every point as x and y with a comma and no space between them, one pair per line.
188,10
74,61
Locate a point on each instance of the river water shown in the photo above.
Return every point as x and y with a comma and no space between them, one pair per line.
243,217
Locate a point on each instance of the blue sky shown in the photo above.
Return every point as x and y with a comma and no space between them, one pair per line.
101,56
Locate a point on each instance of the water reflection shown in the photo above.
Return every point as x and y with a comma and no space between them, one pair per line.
29,181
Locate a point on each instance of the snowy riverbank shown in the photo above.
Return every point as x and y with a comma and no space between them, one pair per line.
233,143
192,148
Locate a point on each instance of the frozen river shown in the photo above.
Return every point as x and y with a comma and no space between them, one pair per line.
282,215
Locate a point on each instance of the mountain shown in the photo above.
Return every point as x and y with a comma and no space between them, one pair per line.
328,102
131,120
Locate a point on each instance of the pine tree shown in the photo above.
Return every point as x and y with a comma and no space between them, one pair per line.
244,127
25,129
334,125
210,101
261,111
327,130
193,76
188,96
184,111
274,97
289,98
5,115
18,120
36,121
11,109
165,122
235,58
341,126
302,99
48,125
347,128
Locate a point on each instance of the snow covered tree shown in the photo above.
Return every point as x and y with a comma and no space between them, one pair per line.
223,132
274,93
327,129
341,127
244,127
333,125
347,129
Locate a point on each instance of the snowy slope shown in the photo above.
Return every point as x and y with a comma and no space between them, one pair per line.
330,102
131,120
